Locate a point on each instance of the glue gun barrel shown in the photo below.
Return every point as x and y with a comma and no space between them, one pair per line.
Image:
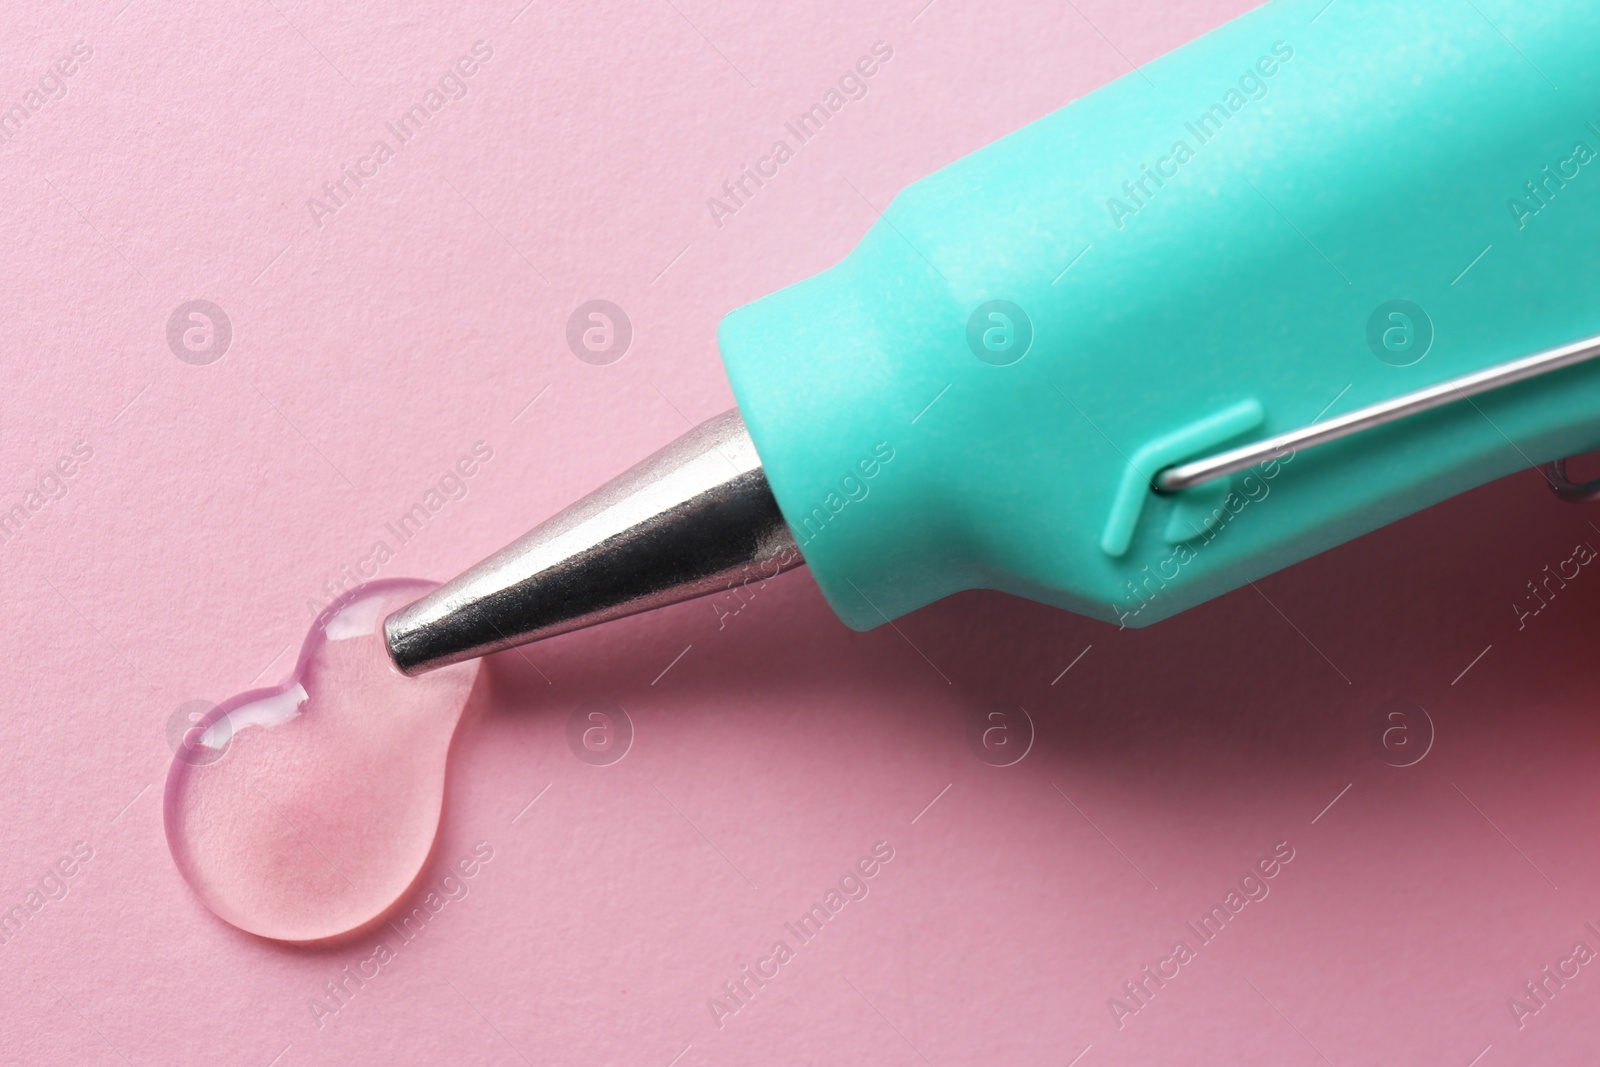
695,518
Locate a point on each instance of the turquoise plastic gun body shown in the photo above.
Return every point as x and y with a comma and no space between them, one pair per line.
1311,209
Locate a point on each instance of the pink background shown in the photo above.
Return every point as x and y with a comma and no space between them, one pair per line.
189,553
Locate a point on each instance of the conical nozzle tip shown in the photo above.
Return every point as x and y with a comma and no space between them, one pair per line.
697,517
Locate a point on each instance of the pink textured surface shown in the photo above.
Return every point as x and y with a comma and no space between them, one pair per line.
187,554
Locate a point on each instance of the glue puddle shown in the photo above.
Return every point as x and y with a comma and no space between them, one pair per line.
305,811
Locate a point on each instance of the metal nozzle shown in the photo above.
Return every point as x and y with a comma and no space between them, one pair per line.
695,518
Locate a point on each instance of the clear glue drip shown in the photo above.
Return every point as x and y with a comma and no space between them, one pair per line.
305,811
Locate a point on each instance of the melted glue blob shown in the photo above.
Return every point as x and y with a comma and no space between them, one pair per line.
305,811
